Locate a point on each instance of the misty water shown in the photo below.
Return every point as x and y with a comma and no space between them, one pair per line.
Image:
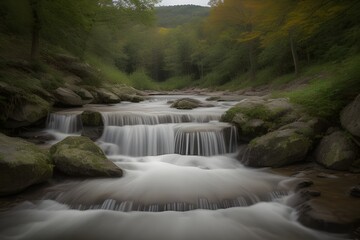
181,181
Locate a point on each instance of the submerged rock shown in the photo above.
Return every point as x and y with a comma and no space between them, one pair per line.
189,103
93,125
92,119
278,148
80,157
22,164
350,117
336,151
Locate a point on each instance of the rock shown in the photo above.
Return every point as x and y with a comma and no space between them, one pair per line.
126,90
314,216
355,167
80,157
249,129
43,94
94,133
255,117
30,110
336,151
311,193
19,108
67,97
350,117
106,97
278,148
93,125
325,175
301,128
304,184
189,103
84,94
355,191
22,164
92,119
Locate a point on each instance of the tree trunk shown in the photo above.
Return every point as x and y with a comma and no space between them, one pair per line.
294,53
35,42
252,60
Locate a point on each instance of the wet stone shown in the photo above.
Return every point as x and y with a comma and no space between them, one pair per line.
355,191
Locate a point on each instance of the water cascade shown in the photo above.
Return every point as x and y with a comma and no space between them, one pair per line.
64,123
181,181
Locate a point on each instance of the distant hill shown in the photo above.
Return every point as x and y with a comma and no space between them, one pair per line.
173,16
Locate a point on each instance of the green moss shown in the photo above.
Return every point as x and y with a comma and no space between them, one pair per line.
90,118
255,112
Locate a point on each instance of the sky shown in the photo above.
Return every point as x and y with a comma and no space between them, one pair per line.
184,2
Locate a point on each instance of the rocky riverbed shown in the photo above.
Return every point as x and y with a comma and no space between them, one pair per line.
274,133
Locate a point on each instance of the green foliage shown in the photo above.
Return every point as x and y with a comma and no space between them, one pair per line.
140,80
108,71
326,96
180,82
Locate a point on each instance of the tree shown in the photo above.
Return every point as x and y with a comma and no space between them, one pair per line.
240,19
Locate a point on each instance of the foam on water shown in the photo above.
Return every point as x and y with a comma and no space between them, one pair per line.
51,220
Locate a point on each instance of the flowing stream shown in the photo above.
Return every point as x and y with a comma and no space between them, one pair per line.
181,181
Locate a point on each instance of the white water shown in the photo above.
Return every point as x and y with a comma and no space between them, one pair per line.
64,123
157,179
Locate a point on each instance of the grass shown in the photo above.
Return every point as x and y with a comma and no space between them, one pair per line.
140,80
173,83
109,72
326,95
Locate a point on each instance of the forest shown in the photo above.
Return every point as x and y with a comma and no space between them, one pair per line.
232,45
126,119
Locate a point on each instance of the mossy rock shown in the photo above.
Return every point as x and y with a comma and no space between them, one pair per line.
27,111
22,164
92,119
337,151
260,116
350,117
278,148
80,157
189,103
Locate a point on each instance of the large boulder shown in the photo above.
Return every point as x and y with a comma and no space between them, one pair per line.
22,164
126,93
103,96
255,117
19,108
189,103
350,117
67,97
31,110
80,157
84,94
337,151
276,149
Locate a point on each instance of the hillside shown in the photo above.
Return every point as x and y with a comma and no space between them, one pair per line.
173,16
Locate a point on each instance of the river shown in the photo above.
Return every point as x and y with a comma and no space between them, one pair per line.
181,181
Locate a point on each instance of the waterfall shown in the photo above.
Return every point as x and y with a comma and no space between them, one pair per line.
186,139
179,182
64,123
139,140
130,118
